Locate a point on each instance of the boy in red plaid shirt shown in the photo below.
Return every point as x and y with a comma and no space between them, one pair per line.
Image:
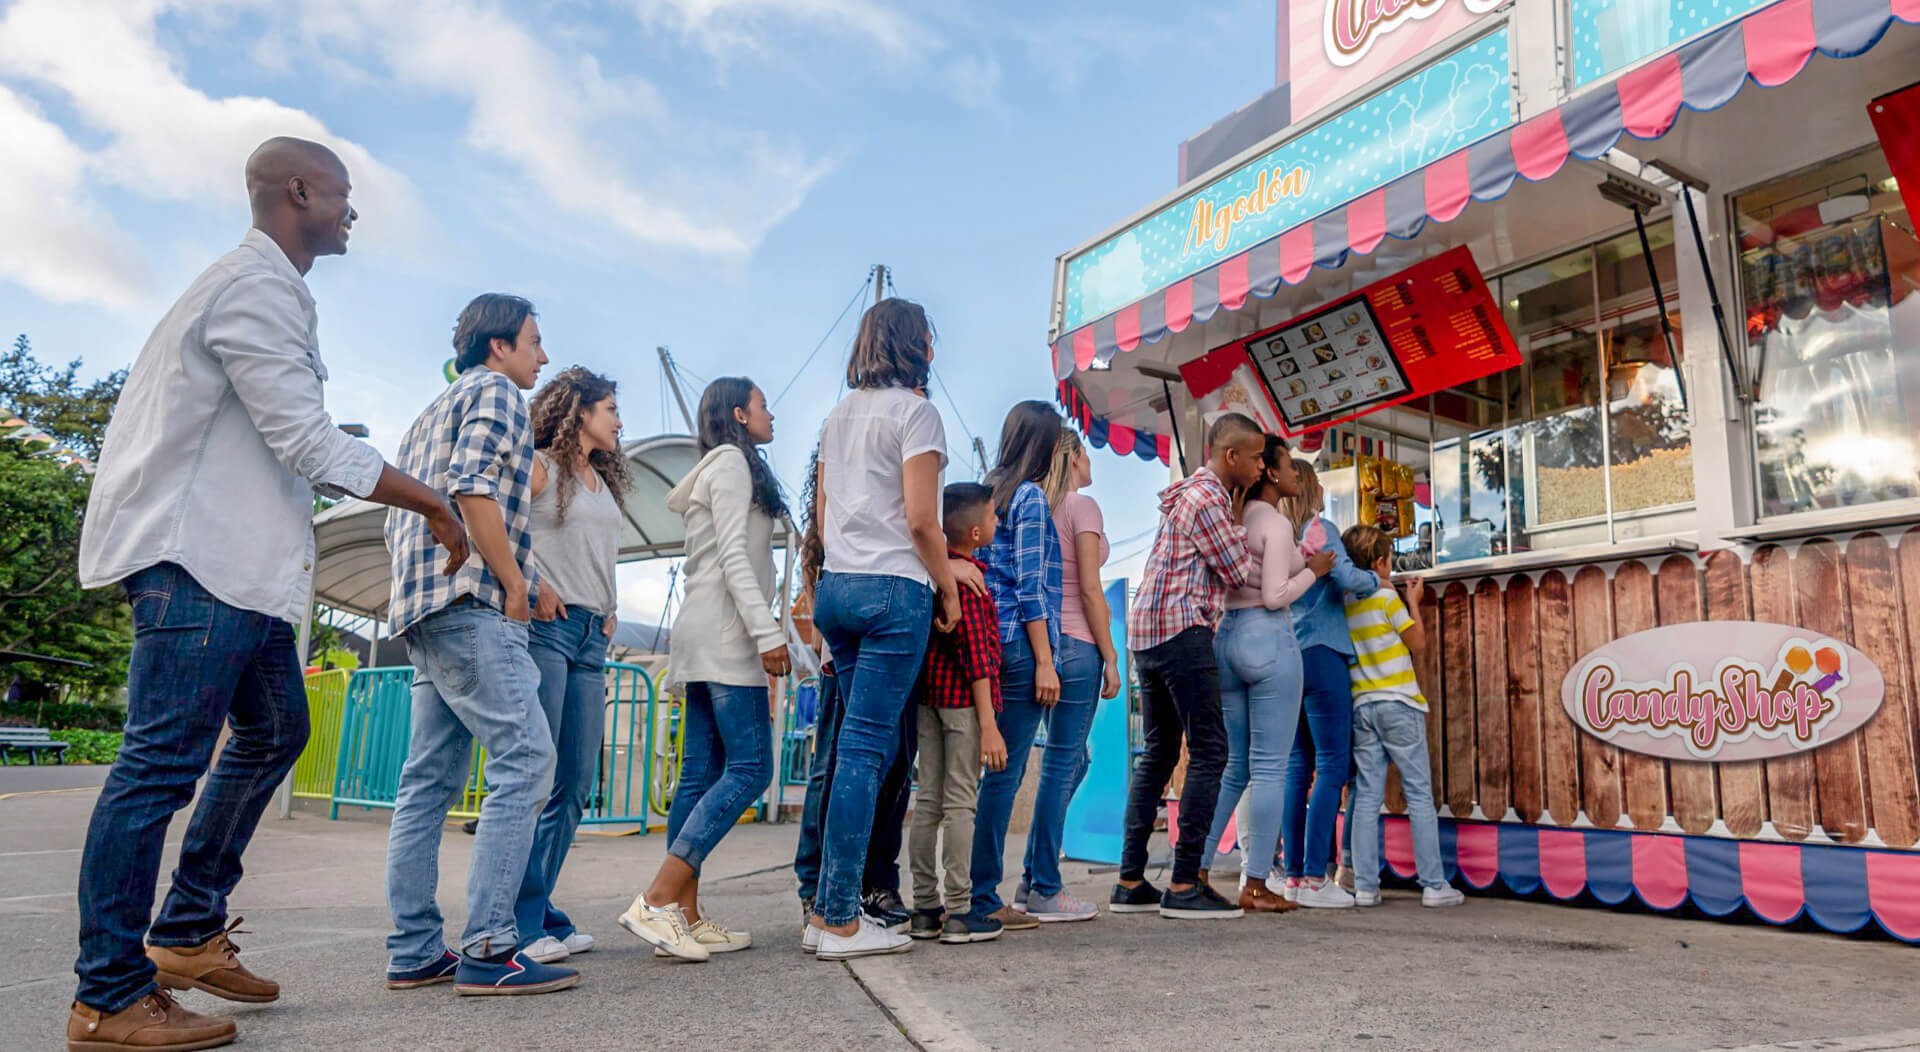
960,694
1199,553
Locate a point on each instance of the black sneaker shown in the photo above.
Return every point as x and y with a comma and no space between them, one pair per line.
926,924
1141,898
1199,902
886,909
970,927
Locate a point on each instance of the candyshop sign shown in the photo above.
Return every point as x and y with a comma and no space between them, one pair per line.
1723,691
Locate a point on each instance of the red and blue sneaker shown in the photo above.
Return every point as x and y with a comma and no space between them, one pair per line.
508,976
440,971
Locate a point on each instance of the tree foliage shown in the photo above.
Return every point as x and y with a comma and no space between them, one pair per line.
55,400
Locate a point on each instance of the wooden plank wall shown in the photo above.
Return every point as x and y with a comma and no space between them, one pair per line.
1502,745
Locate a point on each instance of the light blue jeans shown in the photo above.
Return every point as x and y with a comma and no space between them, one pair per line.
472,681
728,763
876,627
571,655
1063,763
1383,731
1260,684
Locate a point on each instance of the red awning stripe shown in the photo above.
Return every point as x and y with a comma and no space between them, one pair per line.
1539,147
1102,434
1367,221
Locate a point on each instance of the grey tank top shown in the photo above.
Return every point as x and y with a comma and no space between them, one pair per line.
577,556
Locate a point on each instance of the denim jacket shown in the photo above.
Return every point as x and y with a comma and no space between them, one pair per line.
1320,616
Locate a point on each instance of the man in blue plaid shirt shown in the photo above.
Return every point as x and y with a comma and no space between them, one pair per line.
466,635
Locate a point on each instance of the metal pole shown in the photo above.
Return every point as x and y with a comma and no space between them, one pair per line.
673,382
1660,301
1173,422
879,282
1713,295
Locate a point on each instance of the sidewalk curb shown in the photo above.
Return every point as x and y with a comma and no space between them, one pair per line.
1890,1041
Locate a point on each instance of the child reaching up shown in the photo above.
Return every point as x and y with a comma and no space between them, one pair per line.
1390,724
958,736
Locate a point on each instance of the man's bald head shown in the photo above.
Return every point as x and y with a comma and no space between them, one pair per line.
298,190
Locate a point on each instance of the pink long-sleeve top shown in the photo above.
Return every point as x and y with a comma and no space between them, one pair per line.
1280,573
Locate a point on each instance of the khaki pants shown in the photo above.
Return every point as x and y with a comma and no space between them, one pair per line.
949,776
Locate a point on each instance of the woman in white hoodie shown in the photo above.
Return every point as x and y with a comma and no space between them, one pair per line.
725,645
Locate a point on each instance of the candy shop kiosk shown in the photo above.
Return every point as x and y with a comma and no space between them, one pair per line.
1608,311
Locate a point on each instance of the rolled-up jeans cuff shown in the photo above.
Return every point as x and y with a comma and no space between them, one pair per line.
689,852
490,944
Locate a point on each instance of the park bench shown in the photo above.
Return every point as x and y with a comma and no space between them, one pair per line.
32,741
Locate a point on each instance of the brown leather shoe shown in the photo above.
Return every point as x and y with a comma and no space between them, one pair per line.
212,967
155,1023
1013,920
1255,898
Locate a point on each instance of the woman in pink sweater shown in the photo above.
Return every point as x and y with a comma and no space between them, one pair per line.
1261,679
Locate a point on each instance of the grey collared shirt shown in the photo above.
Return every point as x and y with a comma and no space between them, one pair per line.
220,435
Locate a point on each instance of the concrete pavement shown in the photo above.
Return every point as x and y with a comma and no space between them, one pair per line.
1496,974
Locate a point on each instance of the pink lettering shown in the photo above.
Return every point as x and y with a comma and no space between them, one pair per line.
1593,697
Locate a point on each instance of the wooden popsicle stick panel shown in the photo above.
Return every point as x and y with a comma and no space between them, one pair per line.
1427,665
1873,579
1909,563
1457,657
1559,738
1789,778
1524,688
1695,805
1743,791
1491,700
1601,791
1820,591
1635,610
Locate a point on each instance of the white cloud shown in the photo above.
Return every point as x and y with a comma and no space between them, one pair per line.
643,590
725,27
974,81
59,244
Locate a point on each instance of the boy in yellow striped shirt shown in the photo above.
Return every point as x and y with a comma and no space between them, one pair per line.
1390,724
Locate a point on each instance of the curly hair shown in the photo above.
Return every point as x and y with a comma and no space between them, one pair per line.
813,549
558,409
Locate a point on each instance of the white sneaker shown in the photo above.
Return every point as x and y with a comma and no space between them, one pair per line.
1278,885
810,939
868,940
578,942
1366,898
715,937
664,927
1325,895
547,949
1289,888
1441,897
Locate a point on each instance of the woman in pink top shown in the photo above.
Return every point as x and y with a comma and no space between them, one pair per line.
1261,678
1087,668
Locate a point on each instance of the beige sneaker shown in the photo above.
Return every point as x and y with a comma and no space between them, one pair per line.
663,926
715,937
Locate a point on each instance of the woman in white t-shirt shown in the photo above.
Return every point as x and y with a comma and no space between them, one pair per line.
886,578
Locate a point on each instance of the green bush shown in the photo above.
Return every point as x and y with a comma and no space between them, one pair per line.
55,715
89,746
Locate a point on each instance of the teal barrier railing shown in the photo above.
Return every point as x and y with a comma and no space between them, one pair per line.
632,711
375,730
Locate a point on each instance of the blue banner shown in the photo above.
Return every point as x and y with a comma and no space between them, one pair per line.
1096,816
1609,35
1451,104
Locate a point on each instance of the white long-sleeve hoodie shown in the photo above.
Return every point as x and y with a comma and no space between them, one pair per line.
726,622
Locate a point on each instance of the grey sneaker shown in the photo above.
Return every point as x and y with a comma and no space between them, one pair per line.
1052,909
1021,896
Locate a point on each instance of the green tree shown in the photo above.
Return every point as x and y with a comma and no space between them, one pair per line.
43,609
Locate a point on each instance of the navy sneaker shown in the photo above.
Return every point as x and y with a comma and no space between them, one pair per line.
1141,898
970,927
886,909
518,974
926,924
440,971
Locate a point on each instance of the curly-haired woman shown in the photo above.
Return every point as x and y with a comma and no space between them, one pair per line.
725,645
579,479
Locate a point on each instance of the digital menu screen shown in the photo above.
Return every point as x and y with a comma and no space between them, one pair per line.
1328,363
1432,326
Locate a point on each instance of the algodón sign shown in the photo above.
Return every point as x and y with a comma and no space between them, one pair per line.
1722,691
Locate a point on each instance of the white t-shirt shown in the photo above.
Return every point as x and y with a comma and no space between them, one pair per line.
864,446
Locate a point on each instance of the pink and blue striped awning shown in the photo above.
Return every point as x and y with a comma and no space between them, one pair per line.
1768,47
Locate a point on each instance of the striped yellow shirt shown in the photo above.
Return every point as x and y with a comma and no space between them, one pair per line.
1383,667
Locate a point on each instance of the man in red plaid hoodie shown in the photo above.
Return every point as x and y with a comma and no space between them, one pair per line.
1198,554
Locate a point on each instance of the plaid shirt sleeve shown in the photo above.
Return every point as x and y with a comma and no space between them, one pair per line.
1030,525
485,432
979,638
1222,544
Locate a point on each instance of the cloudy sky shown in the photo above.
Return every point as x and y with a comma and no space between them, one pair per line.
715,176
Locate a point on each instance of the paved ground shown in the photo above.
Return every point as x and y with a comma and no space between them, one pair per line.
1496,974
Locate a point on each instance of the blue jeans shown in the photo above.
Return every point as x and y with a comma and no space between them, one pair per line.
728,763
1322,757
876,627
1260,687
1063,763
572,658
1019,719
473,681
196,663
1383,731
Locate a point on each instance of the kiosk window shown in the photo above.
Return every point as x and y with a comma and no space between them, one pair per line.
1828,270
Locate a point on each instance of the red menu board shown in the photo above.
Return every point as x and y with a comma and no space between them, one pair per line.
1432,326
